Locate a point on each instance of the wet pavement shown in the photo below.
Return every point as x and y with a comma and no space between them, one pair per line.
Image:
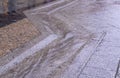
90,43
89,16
93,16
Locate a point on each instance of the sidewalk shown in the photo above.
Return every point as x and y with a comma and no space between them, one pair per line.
96,17
85,41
